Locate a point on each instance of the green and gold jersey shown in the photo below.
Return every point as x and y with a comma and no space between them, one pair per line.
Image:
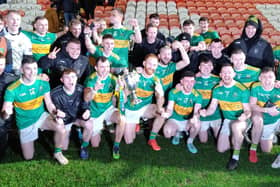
165,74
102,100
263,96
209,36
248,76
121,39
183,103
40,44
231,99
114,59
196,38
276,54
205,87
27,100
145,91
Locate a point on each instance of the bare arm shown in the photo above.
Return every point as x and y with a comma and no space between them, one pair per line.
49,104
89,45
211,109
273,111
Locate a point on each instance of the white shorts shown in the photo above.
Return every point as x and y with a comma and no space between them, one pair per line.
269,130
98,123
182,125
30,133
205,125
225,130
133,116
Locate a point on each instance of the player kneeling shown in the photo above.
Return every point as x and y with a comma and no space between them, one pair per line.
27,96
182,110
102,85
72,109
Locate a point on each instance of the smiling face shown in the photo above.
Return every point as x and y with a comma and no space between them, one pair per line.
150,65
13,22
227,75
103,68
238,60
76,30
165,55
267,80
73,49
41,26
108,44
187,83
250,31
29,72
206,68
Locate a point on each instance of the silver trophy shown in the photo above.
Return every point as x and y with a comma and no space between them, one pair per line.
131,79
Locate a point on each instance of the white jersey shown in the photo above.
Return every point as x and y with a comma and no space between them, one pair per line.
21,45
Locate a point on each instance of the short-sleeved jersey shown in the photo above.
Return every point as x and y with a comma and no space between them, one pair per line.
102,100
209,36
263,96
205,87
196,38
114,59
27,100
183,103
165,73
248,76
145,91
40,44
121,39
231,99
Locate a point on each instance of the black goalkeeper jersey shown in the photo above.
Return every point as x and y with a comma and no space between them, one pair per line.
72,105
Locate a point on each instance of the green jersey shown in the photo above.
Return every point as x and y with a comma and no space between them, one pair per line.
165,73
205,86
40,44
114,59
121,39
196,38
231,99
183,103
27,100
102,100
145,91
209,36
263,96
276,54
248,76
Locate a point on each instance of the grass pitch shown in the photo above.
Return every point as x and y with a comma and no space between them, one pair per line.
138,166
